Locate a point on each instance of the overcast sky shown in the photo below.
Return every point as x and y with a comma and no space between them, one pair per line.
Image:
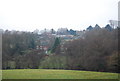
29,15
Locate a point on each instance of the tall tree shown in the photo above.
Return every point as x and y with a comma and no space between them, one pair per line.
56,44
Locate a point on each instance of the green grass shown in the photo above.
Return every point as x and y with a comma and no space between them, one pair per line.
55,74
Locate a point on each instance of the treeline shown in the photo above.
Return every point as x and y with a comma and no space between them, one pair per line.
18,50
97,50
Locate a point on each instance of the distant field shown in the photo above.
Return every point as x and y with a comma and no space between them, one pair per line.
56,74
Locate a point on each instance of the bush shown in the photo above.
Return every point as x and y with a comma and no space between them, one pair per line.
53,62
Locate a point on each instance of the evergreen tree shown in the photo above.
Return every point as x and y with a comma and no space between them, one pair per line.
56,44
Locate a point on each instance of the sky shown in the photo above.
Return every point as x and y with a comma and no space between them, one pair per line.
29,15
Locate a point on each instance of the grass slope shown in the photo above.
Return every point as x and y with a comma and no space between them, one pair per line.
56,74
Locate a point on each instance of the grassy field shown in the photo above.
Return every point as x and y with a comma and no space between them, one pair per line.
55,74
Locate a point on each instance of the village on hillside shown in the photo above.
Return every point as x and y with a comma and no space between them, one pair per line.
46,38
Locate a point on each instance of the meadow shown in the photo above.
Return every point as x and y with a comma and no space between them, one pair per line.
55,74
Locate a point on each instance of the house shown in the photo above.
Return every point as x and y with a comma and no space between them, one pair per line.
108,27
89,28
